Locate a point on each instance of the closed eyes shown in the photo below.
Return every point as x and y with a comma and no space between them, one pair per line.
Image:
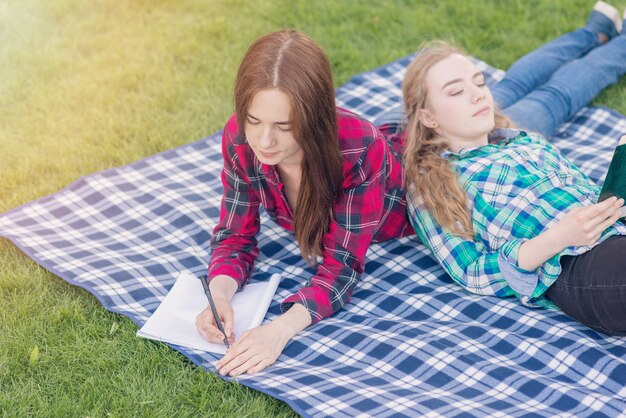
282,126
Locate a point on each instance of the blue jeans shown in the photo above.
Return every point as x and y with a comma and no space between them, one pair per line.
546,87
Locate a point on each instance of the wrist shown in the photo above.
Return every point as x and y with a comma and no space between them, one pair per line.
554,240
223,287
289,324
540,249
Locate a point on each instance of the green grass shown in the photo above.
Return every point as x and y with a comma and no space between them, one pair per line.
89,85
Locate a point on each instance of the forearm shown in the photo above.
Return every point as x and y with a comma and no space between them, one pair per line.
233,241
538,250
292,322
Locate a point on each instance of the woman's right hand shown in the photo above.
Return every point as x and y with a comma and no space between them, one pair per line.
584,225
222,290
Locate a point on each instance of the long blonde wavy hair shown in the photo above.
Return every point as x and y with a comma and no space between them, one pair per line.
430,177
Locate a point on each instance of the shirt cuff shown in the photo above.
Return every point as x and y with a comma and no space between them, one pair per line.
229,270
315,301
521,281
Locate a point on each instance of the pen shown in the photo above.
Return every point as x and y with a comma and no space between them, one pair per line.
207,292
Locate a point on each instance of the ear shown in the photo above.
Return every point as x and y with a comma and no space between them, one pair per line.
427,118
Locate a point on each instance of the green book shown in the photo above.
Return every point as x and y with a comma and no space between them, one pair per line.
615,181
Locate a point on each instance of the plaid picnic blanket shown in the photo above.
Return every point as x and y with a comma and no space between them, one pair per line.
411,342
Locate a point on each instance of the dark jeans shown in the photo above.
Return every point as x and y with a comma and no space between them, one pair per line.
592,287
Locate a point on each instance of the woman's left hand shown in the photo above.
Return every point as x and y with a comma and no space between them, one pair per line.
255,350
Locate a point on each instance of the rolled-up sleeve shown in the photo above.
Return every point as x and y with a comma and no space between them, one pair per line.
233,243
521,281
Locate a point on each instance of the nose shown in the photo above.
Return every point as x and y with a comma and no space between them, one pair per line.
266,141
478,94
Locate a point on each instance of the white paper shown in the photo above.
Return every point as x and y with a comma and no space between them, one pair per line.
174,321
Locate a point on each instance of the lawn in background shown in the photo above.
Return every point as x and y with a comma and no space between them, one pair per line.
90,85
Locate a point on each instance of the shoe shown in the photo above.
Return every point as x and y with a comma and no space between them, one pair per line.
605,19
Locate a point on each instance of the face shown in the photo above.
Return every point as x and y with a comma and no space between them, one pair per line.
268,129
460,105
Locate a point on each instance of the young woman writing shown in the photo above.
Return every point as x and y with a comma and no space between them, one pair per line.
322,172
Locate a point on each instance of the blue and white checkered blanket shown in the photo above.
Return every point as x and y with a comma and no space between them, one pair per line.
411,342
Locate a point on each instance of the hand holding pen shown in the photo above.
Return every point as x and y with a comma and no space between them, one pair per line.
209,322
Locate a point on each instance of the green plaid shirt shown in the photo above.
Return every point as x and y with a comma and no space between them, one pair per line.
519,186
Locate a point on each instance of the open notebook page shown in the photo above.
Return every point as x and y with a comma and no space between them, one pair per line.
174,321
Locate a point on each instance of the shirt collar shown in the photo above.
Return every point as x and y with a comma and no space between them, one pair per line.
495,137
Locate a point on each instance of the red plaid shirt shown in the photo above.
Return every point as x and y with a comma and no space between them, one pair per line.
371,207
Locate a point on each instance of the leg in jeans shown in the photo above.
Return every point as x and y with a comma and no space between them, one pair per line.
592,287
570,88
536,67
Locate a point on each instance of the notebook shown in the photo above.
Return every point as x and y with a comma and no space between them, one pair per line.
174,321
615,181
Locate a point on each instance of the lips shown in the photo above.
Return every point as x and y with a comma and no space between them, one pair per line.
482,111
268,155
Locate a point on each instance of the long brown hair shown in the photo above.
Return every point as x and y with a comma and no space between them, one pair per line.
430,177
293,63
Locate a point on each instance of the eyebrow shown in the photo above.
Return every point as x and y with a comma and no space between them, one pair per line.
457,80
275,123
